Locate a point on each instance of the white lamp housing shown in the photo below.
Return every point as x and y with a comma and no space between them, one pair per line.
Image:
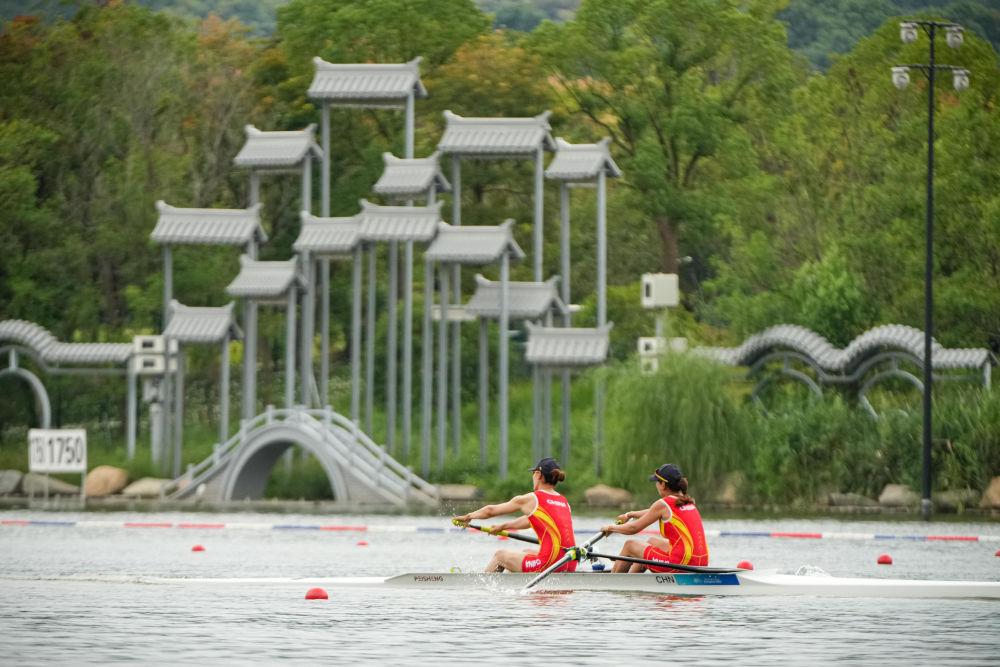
650,346
960,78
660,290
953,35
901,77
908,32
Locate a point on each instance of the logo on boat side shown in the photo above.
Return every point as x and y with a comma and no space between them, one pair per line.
425,577
665,579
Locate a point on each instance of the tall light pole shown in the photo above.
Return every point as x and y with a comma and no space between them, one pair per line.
900,78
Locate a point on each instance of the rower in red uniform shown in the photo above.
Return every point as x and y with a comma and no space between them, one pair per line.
545,511
682,535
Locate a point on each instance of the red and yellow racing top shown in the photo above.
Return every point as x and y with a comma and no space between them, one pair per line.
553,524
685,528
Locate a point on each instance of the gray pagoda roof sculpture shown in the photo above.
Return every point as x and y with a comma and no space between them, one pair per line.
366,85
282,150
327,237
267,283
398,223
265,280
369,86
574,166
193,325
413,178
478,246
568,347
581,164
870,358
527,300
496,138
208,226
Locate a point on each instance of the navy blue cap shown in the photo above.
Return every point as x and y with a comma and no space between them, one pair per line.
668,473
546,466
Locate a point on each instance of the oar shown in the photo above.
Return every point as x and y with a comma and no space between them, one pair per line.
674,566
505,533
572,553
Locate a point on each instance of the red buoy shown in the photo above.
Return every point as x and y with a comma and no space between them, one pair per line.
745,565
503,537
197,547
362,543
997,554
316,594
885,559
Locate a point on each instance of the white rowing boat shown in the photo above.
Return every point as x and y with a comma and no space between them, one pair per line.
690,584
744,582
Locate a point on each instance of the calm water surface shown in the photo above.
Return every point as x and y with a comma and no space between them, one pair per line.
87,595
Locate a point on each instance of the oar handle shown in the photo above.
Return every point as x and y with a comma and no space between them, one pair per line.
504,533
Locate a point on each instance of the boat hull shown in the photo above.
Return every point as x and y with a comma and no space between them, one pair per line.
685,584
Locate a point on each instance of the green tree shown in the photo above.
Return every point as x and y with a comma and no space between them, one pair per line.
675,84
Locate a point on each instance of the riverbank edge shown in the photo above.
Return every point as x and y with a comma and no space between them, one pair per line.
446,508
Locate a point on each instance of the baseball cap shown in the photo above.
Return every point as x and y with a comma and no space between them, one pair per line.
546,466
668,473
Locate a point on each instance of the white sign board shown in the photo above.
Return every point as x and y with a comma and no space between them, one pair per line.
57,450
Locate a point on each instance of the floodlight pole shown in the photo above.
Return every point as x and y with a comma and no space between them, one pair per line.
908,34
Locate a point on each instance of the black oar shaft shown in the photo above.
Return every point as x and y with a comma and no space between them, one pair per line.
673,566
505,533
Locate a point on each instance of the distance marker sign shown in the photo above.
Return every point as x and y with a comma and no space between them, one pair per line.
57,450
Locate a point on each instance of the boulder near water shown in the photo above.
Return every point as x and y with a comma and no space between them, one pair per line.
35,484
147,487
10,481
991,497
607,496
898,495
105,480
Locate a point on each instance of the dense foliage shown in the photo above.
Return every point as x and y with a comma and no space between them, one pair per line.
798,195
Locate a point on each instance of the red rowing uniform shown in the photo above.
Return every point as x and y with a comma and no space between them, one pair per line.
686,534
553,524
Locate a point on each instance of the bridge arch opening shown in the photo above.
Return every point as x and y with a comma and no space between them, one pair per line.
260,459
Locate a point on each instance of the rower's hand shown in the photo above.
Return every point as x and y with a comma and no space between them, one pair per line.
623,518
607,530
496,530
462,520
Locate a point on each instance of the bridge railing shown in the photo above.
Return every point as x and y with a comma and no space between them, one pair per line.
220,452
321,417
328,416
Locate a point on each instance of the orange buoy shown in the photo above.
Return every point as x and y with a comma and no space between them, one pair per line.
197,547
316,594
745,565
503,537
362,543
885,559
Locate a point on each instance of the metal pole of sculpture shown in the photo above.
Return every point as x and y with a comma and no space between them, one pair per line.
426,345
567,317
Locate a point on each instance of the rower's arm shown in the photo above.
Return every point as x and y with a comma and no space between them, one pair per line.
515,504
640,520
520,523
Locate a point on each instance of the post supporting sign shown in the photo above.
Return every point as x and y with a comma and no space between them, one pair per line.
59,451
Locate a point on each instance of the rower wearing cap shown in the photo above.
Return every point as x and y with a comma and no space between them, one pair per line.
545,511
682,534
